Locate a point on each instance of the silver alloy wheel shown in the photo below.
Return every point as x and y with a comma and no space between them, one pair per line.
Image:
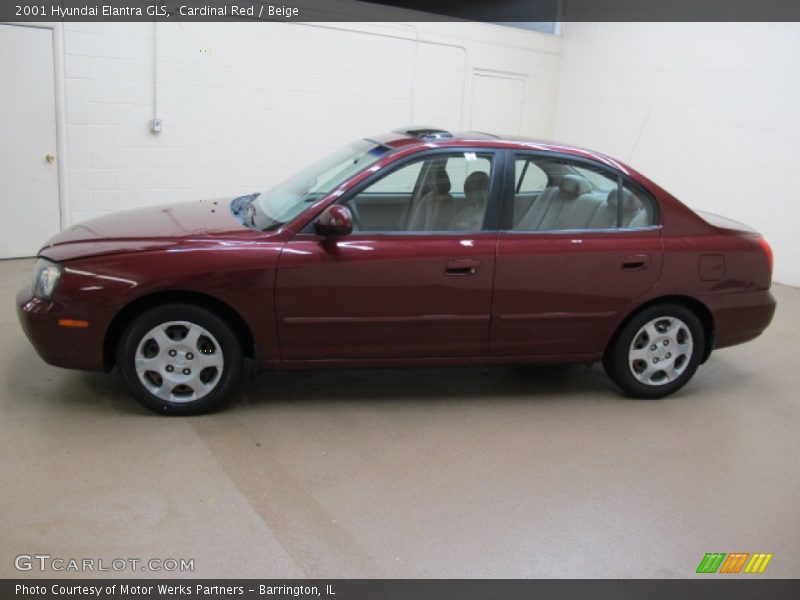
661,351
179,361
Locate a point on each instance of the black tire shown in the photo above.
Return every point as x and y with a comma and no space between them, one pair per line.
207,386
622,361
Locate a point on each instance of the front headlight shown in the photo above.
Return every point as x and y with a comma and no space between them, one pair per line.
45,278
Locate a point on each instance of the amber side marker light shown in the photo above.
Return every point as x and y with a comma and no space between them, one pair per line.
73,323
768,251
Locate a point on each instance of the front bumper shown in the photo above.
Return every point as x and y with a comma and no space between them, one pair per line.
69,347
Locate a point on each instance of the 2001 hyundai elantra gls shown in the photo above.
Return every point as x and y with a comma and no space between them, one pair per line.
418,247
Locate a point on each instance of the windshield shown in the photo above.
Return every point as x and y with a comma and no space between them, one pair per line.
282,203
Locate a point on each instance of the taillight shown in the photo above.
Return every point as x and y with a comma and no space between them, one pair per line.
768,251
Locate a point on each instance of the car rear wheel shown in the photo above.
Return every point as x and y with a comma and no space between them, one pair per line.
656,352
179,359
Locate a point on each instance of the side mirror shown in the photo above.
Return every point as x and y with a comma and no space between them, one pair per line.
334,221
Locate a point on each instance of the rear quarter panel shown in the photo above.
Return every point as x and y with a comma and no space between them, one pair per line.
726,270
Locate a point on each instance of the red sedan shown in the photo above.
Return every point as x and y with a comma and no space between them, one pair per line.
418,247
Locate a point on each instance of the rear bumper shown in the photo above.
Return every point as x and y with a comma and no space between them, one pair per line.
69,347
740,317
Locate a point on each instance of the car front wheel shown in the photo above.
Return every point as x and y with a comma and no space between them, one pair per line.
656,352
179,359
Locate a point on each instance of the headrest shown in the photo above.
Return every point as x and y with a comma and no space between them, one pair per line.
574,184
439,180
476,182
629,203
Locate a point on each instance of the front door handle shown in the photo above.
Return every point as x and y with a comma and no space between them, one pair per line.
636,262
462,266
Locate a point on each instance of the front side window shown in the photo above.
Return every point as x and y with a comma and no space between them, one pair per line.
575,196
441,192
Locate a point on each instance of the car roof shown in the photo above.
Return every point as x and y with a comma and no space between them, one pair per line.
433,137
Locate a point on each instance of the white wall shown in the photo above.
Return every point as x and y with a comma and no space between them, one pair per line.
245,104
710,111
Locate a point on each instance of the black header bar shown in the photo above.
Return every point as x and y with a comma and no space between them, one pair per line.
399,10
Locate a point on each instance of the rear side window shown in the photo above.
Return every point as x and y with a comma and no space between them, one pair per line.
601,181
530,177
577,196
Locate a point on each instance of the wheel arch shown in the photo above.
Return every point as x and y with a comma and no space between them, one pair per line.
144,303
701,310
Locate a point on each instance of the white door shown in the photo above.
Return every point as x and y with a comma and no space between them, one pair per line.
496,104
29,209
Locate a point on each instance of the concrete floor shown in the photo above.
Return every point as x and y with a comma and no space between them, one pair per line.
493,472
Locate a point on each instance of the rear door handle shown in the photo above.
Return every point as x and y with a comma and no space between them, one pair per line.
462,266
636,262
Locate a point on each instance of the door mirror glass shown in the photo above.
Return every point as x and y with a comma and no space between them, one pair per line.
335,221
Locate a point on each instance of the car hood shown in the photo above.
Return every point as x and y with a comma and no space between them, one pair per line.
150,228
